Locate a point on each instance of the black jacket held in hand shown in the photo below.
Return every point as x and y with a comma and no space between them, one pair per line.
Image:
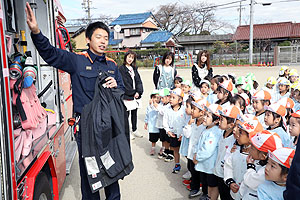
128,83
197,79
105,147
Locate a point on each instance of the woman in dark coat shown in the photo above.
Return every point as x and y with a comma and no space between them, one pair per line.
133,88
202,69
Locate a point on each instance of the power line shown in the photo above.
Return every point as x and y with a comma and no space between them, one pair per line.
225,4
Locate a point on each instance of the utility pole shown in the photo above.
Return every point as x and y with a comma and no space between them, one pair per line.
240,9
251,33
86,6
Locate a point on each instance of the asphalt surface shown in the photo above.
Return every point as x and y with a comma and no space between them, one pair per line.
151,178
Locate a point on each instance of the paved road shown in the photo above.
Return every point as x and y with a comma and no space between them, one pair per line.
152,178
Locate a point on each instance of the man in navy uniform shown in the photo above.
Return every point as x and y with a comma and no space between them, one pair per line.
83,69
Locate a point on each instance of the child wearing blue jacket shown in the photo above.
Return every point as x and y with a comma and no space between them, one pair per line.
274,119
173,122
150,120
207,149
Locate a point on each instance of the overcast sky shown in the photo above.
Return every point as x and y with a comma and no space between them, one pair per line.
279,11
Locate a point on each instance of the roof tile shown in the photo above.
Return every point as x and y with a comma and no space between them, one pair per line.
268,31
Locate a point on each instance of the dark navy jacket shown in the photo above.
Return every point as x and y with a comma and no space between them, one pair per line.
83,68
293,180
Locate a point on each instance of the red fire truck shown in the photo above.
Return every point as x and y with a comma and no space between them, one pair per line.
37,143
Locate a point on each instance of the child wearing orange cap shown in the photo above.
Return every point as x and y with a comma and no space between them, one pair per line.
259,100
261,144
207,149
173,122
276,173
228,116
274,120
224,92
235,165
242,101
294,128
196,129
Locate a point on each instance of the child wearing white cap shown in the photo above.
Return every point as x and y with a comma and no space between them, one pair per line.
276,173
195,129
204,88
150,120
235,164
261,144
164,152
274,117
296,98
284,72
173,122
186,86
183,150
283,88
269,86
261,99
207,149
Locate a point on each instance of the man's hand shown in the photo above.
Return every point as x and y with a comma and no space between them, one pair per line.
136,95
111,82
146,126
234,187
31,20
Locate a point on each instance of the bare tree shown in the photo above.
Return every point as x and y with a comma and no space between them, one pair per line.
174,18
191,19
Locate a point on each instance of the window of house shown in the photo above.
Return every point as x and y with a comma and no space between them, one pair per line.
135,31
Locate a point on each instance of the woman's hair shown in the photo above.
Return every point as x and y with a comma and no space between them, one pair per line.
130,52
166,55
207,62
178,78
275,115
241,100
220,89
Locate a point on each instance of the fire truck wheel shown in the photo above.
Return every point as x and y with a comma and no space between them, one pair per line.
42,188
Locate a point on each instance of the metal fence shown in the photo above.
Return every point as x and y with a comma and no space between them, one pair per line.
287,55
262,57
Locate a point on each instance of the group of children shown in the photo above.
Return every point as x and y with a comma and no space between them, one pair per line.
239,142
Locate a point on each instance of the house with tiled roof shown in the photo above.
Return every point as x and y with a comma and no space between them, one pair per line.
140,30
276,32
